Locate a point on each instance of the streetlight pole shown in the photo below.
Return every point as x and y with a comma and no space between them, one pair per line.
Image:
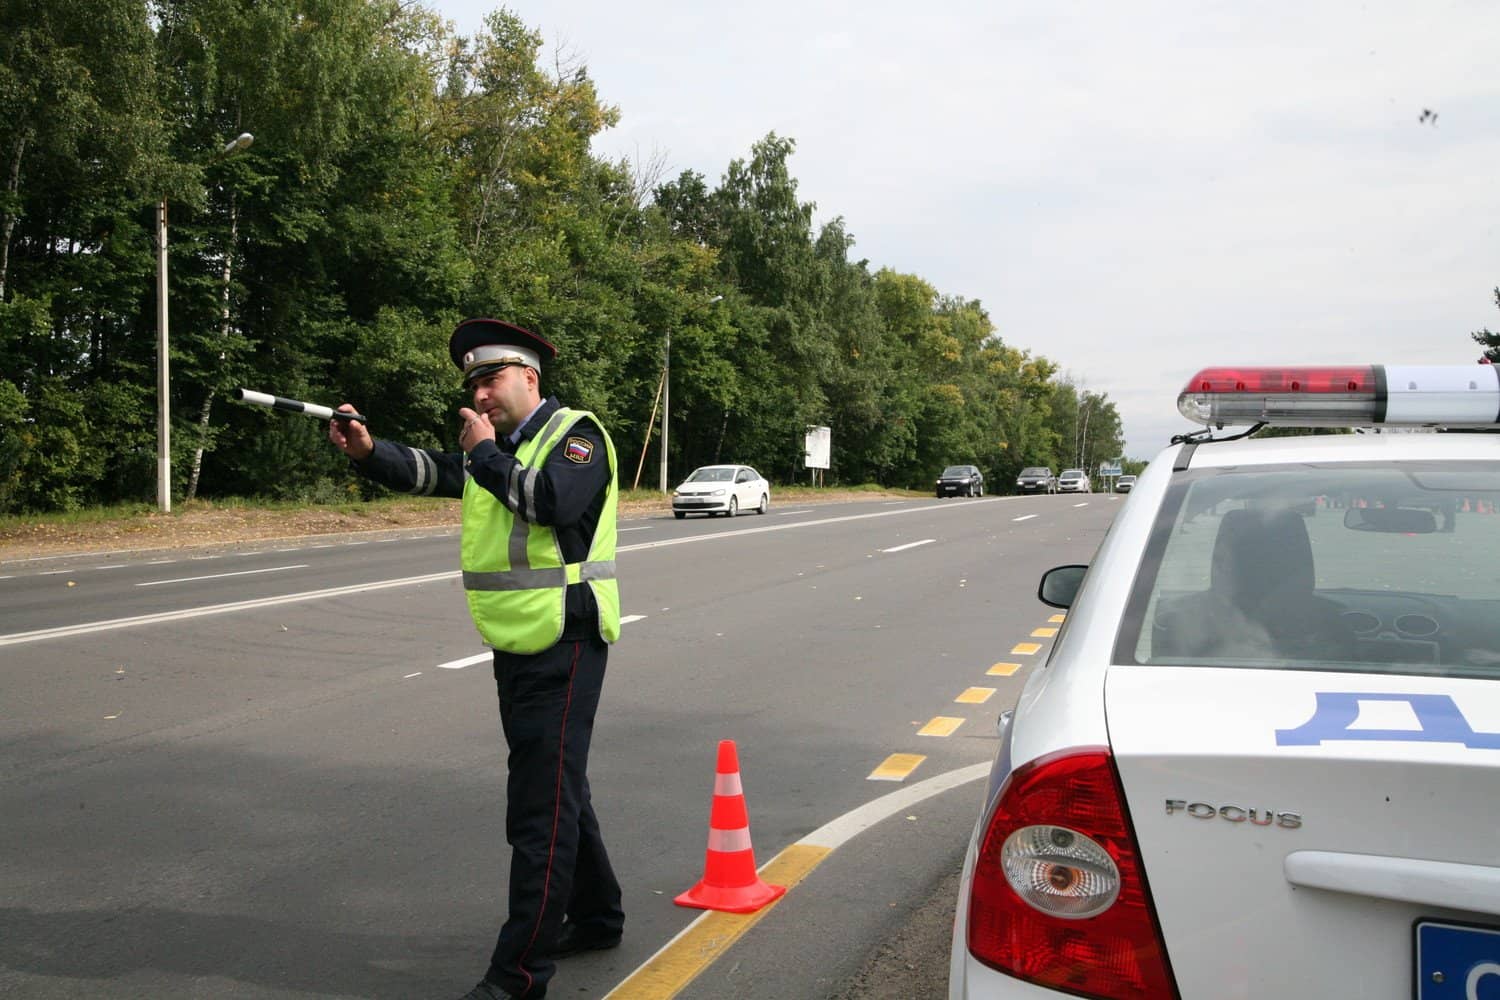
163,413
163,375
666,391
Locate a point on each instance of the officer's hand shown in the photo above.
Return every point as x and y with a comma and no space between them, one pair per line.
350,436
476,428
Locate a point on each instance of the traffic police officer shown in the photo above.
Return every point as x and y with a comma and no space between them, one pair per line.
538,482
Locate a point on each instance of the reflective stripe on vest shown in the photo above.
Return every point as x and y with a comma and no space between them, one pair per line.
513,573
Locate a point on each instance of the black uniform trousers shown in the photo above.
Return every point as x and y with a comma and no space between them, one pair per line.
558,862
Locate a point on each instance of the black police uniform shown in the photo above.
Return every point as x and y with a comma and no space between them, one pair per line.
547,703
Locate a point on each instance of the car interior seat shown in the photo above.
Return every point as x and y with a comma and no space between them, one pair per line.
1260,602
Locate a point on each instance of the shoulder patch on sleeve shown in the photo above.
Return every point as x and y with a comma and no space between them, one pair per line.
579,450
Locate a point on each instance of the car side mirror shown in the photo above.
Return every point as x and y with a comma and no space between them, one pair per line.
1060,585
1392,520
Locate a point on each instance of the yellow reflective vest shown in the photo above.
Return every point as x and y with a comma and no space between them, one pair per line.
514,575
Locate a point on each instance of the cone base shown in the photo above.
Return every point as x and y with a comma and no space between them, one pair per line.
743,899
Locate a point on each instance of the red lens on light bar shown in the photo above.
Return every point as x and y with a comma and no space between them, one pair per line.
1309,378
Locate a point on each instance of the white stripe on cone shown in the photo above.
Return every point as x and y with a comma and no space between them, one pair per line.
729,841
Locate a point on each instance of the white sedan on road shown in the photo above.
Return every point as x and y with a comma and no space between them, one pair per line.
1263,757
721,489
1073,481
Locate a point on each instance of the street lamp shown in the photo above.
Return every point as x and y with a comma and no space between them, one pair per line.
666,390
163,380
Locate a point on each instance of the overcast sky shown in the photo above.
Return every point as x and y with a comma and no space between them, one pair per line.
1133,190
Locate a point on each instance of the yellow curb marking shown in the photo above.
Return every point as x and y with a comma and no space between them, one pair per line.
1025,648
1058,619
1043,633
975,696
896,767
1003,669
941,725
698,947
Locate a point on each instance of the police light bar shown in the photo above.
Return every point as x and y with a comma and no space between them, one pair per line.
1345,396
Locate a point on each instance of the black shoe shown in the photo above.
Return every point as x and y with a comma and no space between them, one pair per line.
574,938
487,990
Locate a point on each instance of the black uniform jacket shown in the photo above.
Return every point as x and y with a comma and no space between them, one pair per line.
568,495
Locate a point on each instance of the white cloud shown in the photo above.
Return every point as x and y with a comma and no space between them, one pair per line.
1133,190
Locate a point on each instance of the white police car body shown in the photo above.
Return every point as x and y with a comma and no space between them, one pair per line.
1263,758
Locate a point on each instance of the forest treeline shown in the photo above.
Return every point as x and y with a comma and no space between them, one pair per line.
402,177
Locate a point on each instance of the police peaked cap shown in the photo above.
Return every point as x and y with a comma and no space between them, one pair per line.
481,346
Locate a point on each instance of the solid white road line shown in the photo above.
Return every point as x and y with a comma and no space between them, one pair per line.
86,628
220,576
840,831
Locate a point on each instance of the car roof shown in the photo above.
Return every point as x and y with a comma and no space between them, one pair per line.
1384,447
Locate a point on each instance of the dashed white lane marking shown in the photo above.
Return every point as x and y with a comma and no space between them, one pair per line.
641,528
410,676
1024,517
160,562
467,661
110,566
53,572
784,513
220,576
910,545
202,558
1084,504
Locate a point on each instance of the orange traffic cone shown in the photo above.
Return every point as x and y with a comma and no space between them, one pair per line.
729,880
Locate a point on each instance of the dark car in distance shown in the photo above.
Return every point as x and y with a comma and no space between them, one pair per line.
960,481
1037,479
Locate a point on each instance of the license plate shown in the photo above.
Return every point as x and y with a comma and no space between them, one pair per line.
1457,962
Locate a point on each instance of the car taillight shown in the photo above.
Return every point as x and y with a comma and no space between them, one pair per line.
1059,896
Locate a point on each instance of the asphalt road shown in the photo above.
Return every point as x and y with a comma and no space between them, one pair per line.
278,773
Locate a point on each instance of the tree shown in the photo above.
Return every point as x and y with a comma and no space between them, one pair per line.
1489,341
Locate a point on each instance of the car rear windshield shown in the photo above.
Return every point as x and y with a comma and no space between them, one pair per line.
1366,568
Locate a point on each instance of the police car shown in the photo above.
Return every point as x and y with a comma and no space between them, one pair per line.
1263,758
